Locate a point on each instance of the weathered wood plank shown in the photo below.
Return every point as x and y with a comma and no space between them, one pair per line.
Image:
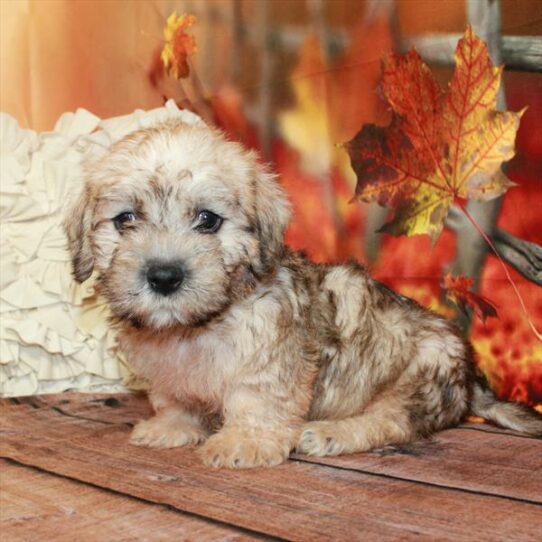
489,428
119,408
492,463
498,462
35,505
296,500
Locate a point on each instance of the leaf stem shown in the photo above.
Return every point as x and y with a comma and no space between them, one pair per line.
472,220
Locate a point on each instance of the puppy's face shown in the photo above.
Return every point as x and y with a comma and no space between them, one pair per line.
178,222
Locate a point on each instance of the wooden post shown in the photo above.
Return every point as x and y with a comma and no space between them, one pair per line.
237,40
376,214
266,69
485,17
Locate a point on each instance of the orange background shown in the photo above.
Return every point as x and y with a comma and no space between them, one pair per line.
59,55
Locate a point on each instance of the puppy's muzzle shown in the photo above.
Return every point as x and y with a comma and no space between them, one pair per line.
165,278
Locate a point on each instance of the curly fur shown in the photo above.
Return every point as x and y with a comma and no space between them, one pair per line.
260,351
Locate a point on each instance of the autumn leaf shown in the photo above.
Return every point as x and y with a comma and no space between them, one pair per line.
229,115
334,98
156,70
306,127
458,291
439,146
178,45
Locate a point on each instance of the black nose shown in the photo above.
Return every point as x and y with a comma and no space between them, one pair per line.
165,278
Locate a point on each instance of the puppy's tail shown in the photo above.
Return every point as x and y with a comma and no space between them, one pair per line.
506,414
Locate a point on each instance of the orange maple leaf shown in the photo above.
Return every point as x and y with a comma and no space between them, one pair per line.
458,291
178,45
227,106
439,146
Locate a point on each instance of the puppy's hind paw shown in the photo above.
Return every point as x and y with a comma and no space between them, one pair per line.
319,438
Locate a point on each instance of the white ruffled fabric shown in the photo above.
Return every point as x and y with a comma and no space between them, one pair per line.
53,332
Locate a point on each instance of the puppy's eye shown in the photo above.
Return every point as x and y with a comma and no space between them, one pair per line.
122,220
208,222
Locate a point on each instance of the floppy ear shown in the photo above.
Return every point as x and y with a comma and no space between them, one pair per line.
273,214
77,227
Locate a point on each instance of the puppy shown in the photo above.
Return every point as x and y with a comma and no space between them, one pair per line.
250,349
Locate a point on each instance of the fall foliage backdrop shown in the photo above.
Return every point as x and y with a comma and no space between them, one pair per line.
299,82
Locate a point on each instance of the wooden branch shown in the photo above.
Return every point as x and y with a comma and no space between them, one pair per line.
520,53
524,256
523,53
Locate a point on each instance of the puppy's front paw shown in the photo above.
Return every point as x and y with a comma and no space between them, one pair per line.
159,433
235,449
320,438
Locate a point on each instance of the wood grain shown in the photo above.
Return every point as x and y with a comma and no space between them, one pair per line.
121,408
489,462
38,506
476,457
295,501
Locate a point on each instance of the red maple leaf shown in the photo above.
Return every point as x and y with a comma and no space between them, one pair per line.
458,291
439,146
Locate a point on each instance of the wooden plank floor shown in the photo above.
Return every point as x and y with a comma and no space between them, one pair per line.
68,472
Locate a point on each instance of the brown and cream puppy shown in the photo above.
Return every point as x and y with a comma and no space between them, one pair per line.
250,349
